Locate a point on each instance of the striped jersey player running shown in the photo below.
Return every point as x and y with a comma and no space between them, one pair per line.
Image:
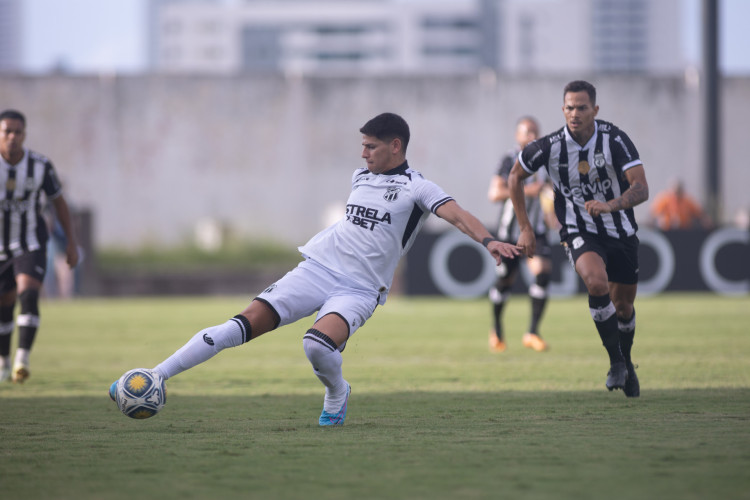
29,181
348,268
535,188
598,178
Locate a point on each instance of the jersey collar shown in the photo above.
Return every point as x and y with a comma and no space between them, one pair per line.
591,142
400,170
23,160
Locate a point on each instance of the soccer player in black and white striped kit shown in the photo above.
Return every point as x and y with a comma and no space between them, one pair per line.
348,267
26,175
536,186
598,178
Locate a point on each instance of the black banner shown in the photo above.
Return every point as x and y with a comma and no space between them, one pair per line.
452,264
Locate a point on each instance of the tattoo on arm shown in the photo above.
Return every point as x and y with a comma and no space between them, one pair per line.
636,194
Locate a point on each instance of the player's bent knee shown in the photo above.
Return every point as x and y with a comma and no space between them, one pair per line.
316,343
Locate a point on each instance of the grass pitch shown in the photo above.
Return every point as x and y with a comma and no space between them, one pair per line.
432,414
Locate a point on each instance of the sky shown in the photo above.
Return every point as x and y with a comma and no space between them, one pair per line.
110,35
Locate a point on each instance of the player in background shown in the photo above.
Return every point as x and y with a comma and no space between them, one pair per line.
348,267
598,178
26,176
535,187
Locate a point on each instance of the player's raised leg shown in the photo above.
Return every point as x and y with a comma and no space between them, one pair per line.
253,322
206,344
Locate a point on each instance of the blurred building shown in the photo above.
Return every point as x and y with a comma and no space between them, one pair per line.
415,36
592,36
10,35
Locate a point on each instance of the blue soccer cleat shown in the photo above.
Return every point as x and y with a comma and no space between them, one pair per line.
113,391
327,419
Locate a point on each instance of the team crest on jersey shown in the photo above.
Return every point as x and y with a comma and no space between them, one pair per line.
583,167
599,160
391,194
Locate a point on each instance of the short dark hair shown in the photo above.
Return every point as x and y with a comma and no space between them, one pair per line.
12,114
581,86
386,127
527,118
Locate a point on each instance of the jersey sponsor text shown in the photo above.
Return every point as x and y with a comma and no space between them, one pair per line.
366,217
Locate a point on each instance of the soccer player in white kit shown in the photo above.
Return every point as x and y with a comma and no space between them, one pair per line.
348,268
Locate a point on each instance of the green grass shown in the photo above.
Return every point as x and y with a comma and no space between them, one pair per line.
432,414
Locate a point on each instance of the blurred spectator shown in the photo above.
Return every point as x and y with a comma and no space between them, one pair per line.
675,209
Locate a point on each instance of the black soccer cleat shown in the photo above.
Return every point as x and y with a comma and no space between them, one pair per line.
617,375
632,388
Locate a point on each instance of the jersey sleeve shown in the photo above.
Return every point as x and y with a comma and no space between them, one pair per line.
51,184
624,153
506,164
356,174
428,195
532,157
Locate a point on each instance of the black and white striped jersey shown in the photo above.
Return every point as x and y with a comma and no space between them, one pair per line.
383,215
581,173
507,226
23,227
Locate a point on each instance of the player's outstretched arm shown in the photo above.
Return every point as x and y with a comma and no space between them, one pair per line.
527,240
471,226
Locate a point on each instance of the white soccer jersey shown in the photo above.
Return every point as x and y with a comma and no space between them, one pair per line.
384,213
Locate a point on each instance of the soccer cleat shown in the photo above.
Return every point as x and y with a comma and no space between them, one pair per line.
534,341
617,375
632,388
496,345
20,373
113,391
327,419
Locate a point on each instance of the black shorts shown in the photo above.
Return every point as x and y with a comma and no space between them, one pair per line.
32,263
620,256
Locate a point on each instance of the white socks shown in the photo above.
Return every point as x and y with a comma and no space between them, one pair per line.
204,345
326,361
320,350
22,357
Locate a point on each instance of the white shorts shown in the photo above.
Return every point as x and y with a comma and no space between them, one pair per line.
310,287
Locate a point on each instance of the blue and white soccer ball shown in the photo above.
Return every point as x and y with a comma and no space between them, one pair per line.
140,393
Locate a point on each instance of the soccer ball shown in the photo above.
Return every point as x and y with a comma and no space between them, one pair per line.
140,393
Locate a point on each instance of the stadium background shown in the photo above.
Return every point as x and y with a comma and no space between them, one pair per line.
147,158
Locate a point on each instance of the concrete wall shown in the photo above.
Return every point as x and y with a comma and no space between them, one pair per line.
270,157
